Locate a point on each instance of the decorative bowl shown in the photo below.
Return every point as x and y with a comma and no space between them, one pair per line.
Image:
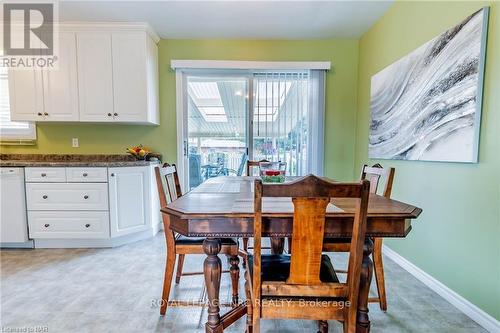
272,172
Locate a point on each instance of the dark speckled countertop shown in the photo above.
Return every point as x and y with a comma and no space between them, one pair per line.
53,160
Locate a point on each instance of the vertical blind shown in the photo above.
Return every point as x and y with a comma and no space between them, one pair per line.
10,130
288,120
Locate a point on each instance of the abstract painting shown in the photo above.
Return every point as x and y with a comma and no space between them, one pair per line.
427,105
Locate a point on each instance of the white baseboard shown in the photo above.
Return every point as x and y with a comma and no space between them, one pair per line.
479,316
92,243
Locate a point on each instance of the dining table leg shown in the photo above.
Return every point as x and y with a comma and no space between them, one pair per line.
235,277
212,271
363,320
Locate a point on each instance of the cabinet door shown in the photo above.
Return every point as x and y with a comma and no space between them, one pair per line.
60,93
95,76
129,199
26,95
152,77
129,77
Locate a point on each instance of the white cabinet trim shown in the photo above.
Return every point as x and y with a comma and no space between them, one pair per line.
110,27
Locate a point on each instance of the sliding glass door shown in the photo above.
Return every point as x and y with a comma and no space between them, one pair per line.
229,117
281,119
217,126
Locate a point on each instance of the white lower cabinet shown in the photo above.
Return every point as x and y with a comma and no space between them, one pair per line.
90,207
129,200
67,196
59,225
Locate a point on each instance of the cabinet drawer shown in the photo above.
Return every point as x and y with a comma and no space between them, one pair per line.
81,175
68,224
91,196
50,175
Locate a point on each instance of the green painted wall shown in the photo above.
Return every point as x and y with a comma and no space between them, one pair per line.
340,102
457,238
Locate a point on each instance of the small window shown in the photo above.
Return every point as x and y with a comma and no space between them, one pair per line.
12,130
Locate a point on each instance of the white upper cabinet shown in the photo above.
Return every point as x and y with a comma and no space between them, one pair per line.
135,78
107,73
95,76
129,76
60,86
26,95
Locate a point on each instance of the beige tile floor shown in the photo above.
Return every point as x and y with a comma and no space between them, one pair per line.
114,290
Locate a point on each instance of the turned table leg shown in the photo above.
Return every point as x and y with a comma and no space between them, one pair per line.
363,321
212,271
235,277
277,245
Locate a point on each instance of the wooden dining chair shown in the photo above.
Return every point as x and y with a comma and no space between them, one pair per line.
179,245
375,175
304,285
250,165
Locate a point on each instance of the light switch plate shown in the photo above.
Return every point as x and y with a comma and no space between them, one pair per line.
75,143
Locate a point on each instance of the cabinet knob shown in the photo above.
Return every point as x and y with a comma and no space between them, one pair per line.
85,197
45,196
45,114
109,114
40,114
85,175
115,114
87,225
46,225
112,175
43,175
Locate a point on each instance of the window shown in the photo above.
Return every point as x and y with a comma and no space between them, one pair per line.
12,130
228,116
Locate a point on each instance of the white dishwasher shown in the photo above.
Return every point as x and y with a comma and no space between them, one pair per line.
13,221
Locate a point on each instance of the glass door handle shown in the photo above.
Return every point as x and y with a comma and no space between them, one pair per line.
185,148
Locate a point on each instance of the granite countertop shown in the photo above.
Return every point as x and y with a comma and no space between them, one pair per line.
53,160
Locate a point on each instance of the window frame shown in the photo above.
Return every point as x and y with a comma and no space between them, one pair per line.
16,134
316,134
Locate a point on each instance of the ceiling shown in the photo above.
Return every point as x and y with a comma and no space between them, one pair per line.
235,19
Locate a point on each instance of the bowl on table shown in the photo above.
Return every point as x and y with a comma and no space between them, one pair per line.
272,172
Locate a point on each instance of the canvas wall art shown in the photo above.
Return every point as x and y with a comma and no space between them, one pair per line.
427,105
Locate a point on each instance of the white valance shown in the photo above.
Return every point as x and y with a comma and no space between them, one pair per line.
253,65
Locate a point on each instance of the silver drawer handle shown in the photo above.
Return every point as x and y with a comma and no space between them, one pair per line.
45,196
85,197
87,225
85,175
43,175
46,225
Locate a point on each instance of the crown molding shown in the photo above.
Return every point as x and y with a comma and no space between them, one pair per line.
109,26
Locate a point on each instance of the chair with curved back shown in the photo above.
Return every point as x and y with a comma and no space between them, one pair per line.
179,245
374,174
304,284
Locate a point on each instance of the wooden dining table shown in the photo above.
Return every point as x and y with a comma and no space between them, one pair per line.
223,207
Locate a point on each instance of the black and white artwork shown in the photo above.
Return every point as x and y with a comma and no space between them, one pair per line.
427,105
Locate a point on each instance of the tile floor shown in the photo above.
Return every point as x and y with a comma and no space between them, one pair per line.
116,290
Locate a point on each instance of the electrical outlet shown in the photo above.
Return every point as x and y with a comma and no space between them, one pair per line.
75,143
